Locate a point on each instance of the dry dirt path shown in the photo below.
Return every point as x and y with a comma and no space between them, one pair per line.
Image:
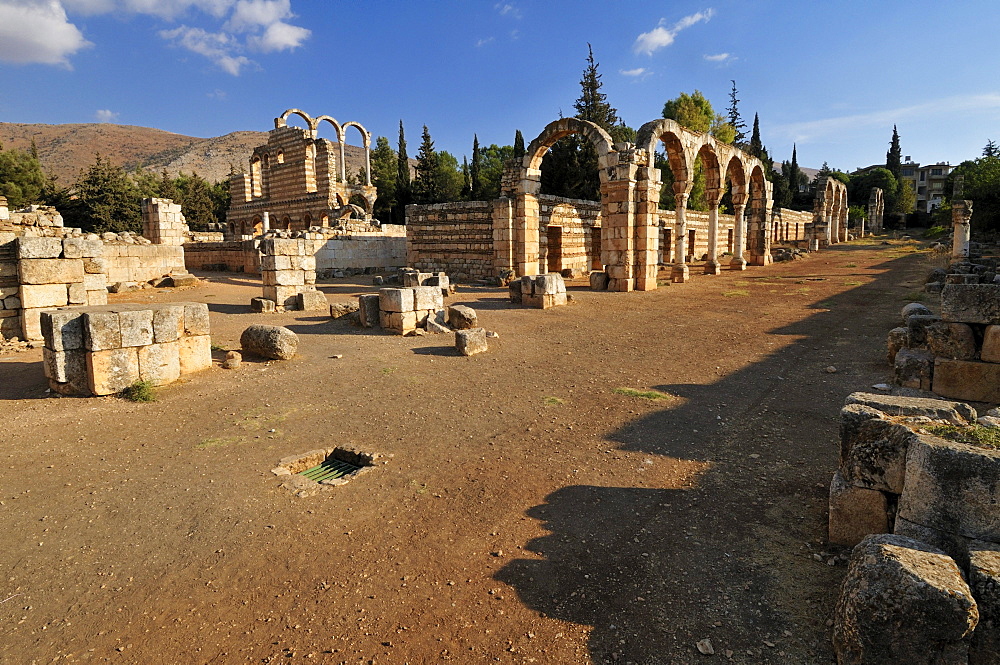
530,513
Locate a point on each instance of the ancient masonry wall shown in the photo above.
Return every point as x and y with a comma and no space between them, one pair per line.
566,236
456,238
231,256
10,296
378,248
141,263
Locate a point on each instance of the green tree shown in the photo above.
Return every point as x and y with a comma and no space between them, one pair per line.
894,156
475,171
403,190
384,168
494,159
221,198
22,179
906,198
981,186
167,188
466,180
991,149
518,144
448,178
106,200
425,185
733,115
694,112
195,198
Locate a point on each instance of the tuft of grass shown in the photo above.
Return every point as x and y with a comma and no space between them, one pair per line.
850,265
554,401
216,347
389,370
854,283
140,391
735,293
217,442
975,435
642,394
936,232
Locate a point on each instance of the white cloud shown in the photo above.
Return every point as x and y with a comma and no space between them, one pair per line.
279,36
718,57
507,9
218,47
219,95
638,71
251,14
662,36
105,115
802,132
483,42
166,9
38,31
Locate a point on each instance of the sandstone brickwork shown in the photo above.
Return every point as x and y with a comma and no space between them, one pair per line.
163,223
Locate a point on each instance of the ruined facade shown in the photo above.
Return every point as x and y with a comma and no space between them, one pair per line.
296,181
829,212
876,211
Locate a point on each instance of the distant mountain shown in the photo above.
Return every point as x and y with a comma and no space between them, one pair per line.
65,150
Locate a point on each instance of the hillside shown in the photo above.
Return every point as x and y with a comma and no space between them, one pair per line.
64,150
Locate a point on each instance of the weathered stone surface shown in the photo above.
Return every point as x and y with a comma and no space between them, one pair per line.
44,295
160,363
112,370
984,580
233,360
136,327
913,308
914,368
95,298
967,380
903,602
461,317
261,305
368,307
916,328
95,282
168,323
598,281
877,456
470,342
62,330
95,266
65,366
991,345
951,340
433,326
396,300
39,248
549,284
76,294
312,301
852,417
180,279
951,544
971,303
427,297
339,309
400,322
899,338
514,290
276,342
194,353
957,413
855,512
101,331
952,487
196,319
50,271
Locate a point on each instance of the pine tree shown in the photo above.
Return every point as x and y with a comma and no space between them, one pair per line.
991,149
894,157
592,104
475,171
106,200
518,145
425,186
166,188
733,113
384,168
402,180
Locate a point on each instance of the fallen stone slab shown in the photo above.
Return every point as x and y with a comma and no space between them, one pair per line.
311,301
470,342
957,413
971,303
913,308
275,342
855,512
984,579
951,340
903,602
967,380
461,317
263,305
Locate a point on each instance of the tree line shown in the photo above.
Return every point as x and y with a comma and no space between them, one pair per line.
106,197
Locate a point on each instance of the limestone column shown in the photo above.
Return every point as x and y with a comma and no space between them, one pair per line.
503,235
843,222
961,218
368,160
739,240
712,266
680,272
646,224
265,222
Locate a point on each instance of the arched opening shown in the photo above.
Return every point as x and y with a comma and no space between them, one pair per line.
255,177
232,228
366,140
736,192
758,238
307,221
324,219
286,223
280,157
257,225
282,120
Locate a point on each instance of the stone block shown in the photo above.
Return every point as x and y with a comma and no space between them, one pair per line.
99,297
194,353
427,297
312,301
598,281
401,322
284,297
903,602
368,306
991,345
952,487
168,323
272,263
984,580
528,285
916,328
72,248
91,248
76,294
951,340
39,248
66,366
396,300
876,458
44,295
160,363
461,317
289,278
913,308
914,368
967,380
957,413
514,289
549,284
112,370
263,305
136,326
196,319
852,417
971,303
470,342
855,512
101,331
62,330
95,266
961,278
50,271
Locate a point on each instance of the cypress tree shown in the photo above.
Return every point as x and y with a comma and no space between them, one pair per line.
475,171
518,145
384,169
733,113
466,180
755,144
402,179
894,157
425,187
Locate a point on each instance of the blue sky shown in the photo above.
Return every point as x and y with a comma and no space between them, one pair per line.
832,76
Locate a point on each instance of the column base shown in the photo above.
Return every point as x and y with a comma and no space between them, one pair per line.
680,274
645,284
738,264
713,268
760,260
620,284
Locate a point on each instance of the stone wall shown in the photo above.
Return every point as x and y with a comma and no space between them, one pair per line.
363,248
141,263
10,296
231,256
567,235
456,238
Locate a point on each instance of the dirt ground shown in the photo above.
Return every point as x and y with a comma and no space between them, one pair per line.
529,514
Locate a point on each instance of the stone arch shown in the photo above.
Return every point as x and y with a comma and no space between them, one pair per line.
366,141
256,186
737,176
307,220
282,120
672,135
758,221
528,185
257,224
280,157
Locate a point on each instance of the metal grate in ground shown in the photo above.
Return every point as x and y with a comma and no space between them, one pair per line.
329,470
